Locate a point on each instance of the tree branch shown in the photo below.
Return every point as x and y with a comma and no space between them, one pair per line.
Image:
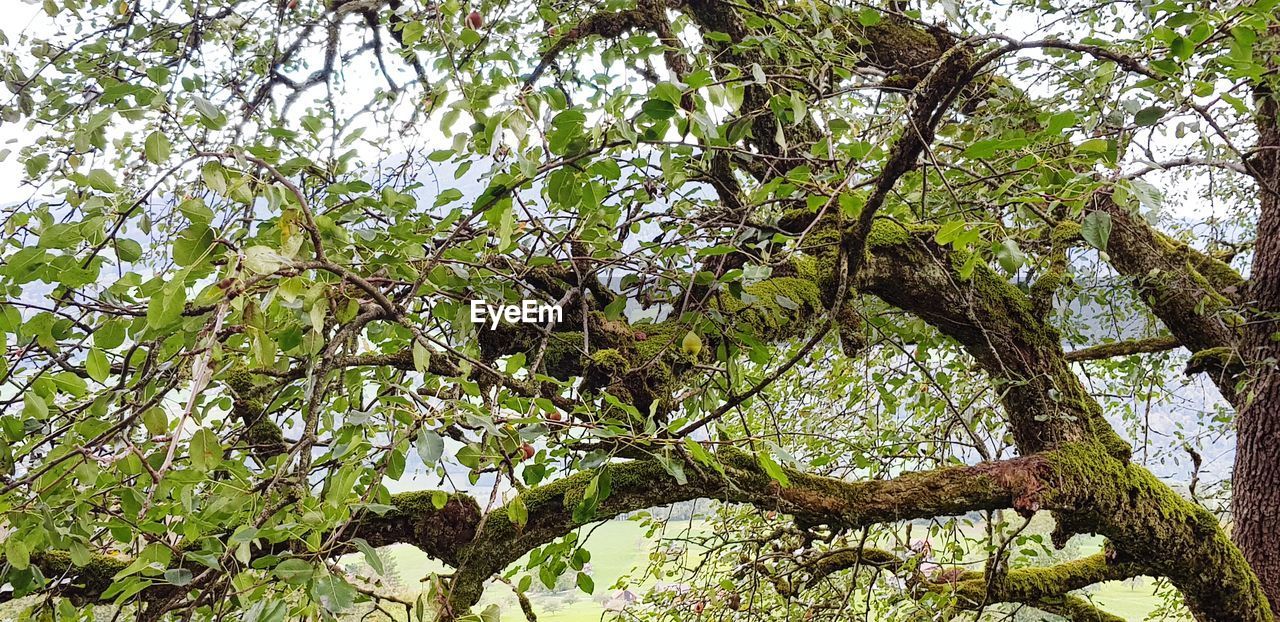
1123,348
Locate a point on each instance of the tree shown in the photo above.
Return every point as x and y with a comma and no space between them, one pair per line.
238,298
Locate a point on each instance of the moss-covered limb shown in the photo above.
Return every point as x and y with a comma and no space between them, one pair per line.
1124,348
812,499
1040,584
1189,291
1056,275
440,532
997,324
642,363
1150,524
1216,362
262,436
82,584
1074,609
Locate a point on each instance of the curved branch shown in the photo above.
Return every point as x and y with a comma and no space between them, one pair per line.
556,509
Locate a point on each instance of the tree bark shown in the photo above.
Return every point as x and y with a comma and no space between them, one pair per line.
1256,481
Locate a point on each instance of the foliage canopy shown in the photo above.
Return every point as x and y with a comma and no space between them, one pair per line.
834,265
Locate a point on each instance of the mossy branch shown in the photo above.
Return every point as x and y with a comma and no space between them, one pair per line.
1193,294
811,499
1124,348
1040,584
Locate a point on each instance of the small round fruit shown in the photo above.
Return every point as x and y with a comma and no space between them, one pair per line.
475,20
526,451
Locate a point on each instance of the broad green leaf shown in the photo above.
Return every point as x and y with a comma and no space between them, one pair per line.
1149,115
205,450
1096,229
370,556
157,147
772,469
178,576
658,109
1010,255
585,583
97,366
101,179
430,446
16,552
294,571
517,512
264,260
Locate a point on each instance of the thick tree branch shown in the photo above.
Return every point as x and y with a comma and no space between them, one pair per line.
1193,294
811,499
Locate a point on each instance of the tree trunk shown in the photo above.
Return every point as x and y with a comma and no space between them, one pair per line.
1256,481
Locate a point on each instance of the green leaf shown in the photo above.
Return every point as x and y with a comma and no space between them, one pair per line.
335,594
658,109
243,535
1094,145
412,33
868,16
109,335
212,114
34,406
1096,229
294,571
100,179
691,344
585,583
156,147
1010,255
196,211
214,176
205,450
517,512
370,556
1149,116
17,553
772,469
156,421
97,366
192,245
128,250
430,446
269,610
178,576
165,307
515,363
80,554
421,356
264,260
1060,121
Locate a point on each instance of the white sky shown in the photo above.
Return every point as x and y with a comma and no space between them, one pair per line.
15,16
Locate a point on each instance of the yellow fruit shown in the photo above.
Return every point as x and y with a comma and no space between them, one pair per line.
691,344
